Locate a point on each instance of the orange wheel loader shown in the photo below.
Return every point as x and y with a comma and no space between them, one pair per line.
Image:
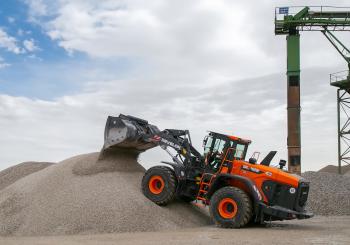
238,191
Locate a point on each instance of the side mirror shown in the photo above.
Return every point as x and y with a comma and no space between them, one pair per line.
205,141
282,163
252,160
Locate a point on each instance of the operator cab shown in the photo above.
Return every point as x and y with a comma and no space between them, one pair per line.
216,148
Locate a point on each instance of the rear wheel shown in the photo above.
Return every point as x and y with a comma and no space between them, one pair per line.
159,185
230,207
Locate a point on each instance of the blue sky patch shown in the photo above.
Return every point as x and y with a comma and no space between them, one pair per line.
48,71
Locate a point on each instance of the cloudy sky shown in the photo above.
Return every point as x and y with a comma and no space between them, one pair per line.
65,65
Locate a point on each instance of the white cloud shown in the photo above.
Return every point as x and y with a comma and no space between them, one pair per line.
221,39
37,7
188,62
3,64
10,43
69,125
198,36
29,45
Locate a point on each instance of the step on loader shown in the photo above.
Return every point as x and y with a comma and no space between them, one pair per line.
237,191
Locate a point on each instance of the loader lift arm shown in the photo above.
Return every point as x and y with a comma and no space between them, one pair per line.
130,132
180,141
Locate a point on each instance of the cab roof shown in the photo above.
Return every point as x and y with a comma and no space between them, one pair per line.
231,137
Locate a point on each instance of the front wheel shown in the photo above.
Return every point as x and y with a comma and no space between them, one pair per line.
159,185
230,207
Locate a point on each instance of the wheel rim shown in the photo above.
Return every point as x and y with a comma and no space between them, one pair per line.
227,208
156,184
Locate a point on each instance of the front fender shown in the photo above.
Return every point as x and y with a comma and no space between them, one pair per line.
221,179
179,170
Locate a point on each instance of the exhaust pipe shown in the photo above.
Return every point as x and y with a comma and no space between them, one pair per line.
128,132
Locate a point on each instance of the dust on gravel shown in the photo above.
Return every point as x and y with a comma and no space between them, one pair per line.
110,161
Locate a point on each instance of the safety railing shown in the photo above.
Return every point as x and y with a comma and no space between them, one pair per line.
319,11
338,76
335,18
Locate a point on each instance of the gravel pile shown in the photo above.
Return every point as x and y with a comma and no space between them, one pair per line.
329,193
334,169
85,195
14,173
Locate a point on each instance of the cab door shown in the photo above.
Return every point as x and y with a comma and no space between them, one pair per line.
215,152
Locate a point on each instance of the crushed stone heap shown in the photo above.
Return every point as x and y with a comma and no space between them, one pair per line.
329,193
85,195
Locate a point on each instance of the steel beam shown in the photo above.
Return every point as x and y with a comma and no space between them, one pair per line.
339,133
293,102
343,113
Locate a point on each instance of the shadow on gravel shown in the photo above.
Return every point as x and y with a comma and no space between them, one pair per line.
290,226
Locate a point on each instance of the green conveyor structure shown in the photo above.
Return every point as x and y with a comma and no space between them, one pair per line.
290,21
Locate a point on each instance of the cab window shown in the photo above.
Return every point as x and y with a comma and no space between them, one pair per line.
240,149
208,144
219,145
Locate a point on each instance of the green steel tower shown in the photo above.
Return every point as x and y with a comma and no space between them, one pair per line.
341,80
290,21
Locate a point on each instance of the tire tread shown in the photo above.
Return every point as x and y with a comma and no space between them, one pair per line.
169,192
245,199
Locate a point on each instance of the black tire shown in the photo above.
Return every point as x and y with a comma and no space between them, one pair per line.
162,190
230,207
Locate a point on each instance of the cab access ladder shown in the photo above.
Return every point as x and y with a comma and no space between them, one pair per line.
207,178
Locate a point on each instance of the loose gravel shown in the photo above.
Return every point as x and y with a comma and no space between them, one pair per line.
329,193
334,169
14,173
87,195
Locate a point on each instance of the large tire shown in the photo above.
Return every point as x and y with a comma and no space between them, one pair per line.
230,207
159,185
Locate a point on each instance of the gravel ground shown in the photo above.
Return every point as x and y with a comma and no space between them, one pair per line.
318,230
14,173
329,193
84,195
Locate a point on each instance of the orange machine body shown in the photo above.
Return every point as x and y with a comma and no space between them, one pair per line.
246,169
255,172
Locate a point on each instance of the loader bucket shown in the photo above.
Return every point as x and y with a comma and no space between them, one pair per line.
128,132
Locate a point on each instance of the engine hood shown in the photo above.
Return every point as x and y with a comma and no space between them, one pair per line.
279,175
